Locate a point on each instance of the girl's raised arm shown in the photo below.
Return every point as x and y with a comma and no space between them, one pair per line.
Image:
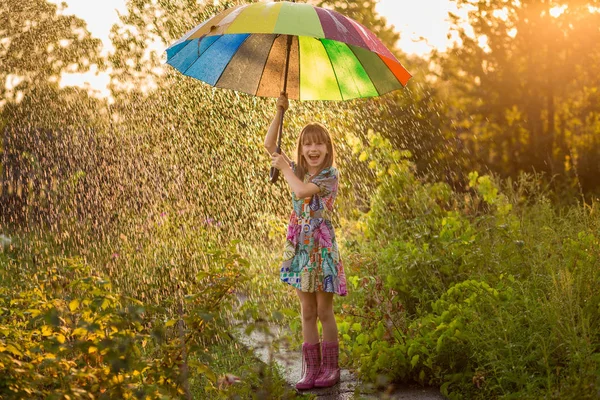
271,138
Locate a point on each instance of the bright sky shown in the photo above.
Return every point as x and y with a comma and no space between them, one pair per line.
427,19
414,19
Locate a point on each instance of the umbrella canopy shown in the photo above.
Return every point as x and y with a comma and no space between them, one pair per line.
331,57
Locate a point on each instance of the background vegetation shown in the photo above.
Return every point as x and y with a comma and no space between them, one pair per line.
130,226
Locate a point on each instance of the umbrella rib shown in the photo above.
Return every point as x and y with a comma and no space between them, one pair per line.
299,71
332,67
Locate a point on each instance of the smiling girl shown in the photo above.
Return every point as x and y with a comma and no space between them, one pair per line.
311,261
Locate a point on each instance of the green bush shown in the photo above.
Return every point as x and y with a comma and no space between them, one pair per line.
65,330
489,293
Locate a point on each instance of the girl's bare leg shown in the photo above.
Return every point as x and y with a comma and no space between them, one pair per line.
308,302
325,314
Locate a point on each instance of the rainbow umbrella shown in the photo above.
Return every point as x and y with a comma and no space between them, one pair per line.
308,52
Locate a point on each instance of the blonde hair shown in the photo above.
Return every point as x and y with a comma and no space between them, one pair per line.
313,133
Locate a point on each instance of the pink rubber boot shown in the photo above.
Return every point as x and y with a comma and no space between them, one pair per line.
330,371
311,362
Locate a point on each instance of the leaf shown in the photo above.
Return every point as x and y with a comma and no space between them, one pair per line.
60,338
170,322
361,339
414,360
46,330
201,275
92,349
34,313
444,389
206,317
105,304
206,371
13,349
289,312
80,332
277,316
73,305
440,343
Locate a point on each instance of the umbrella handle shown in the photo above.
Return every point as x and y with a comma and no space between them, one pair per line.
274,174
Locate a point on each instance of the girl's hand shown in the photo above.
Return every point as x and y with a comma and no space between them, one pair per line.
278,161
283,102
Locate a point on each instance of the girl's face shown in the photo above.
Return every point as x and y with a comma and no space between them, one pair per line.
314,154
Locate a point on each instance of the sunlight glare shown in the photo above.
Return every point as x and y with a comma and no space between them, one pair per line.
483,43
423,26
502,14
557,11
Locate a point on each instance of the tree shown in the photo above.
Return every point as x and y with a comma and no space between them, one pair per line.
511,75
38,44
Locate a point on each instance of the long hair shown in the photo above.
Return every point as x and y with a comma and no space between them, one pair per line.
313,133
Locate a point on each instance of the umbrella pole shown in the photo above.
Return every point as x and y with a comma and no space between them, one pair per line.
274,174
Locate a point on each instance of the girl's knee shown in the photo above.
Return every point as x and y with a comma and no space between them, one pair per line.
309,313
325,314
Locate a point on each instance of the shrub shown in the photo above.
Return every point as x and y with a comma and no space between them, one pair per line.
65,330
491,293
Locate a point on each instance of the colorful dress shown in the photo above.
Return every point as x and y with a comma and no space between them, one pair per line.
311,260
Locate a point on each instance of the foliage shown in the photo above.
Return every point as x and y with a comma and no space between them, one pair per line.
489,294
69,333
66,330
521,86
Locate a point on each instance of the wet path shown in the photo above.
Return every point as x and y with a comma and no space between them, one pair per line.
270,345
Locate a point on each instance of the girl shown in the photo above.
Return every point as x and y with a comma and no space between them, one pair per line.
311,259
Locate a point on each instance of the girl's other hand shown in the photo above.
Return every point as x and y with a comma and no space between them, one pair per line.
283,102
278,161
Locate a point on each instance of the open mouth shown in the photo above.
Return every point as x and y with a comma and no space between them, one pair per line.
314,157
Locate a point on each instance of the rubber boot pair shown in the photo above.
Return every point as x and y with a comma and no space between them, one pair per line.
319,370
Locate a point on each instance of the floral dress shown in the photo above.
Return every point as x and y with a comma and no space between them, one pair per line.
311,260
